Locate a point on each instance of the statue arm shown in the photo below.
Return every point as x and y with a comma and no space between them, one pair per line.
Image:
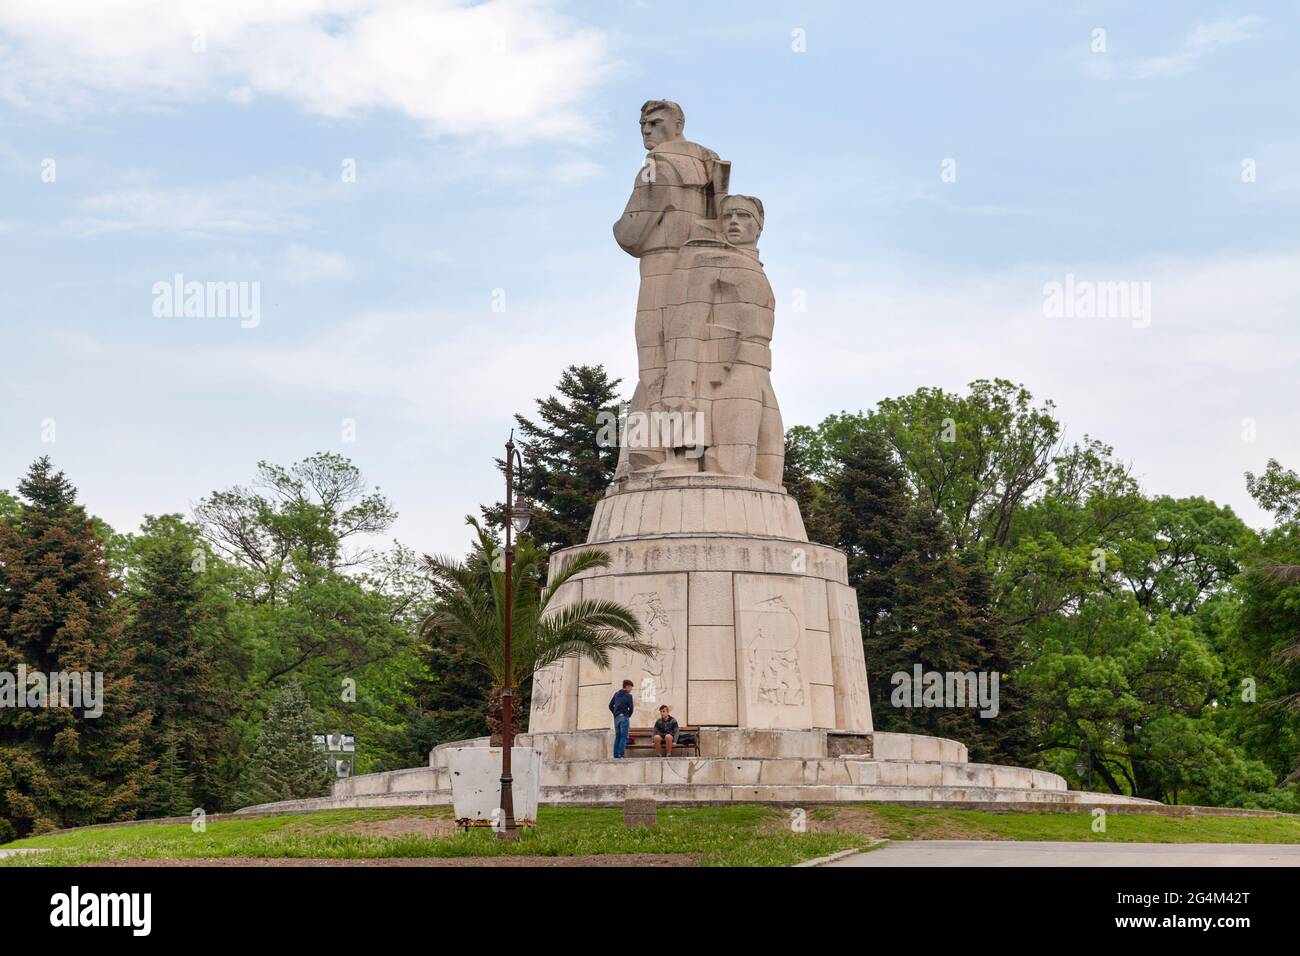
645,210
634,226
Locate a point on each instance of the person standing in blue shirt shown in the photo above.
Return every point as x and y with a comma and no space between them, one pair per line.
621,705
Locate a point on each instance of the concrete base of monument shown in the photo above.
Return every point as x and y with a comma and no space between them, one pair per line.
738,766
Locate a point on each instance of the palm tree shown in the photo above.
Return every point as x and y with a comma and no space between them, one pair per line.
470,601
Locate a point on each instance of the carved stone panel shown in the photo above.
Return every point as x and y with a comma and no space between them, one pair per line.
659,602
771,671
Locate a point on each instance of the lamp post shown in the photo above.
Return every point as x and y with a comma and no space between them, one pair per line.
518,515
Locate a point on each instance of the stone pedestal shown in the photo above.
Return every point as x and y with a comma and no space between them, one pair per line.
756,626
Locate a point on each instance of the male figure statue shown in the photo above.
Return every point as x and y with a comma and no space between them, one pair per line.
678,185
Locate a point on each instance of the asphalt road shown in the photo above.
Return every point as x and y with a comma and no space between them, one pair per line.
1017,853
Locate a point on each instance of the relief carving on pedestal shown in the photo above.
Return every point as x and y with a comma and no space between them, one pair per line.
548,686
772,655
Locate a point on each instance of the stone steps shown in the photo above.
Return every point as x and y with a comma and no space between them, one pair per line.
615,794
705,771
833,771
783,766
596,795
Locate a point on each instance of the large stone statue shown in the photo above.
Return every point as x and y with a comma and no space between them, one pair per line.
755,627
678,185
704,399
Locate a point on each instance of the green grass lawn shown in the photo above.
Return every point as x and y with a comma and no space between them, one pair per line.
722,836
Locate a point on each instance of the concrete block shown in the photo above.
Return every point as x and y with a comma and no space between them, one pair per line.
712,653
712,704
711,600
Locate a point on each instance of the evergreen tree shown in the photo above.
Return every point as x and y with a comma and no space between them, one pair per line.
286,763
870,506
172,794
566,468
177,677
454,699
800,480
59,766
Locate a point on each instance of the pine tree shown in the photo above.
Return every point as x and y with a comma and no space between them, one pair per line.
172,794
870,506
815,503
454,699
286,763
176,675
566,470
60,767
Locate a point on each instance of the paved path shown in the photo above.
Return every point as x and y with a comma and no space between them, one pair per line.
6,854
1016,853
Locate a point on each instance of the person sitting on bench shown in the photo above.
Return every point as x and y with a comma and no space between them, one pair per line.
665,732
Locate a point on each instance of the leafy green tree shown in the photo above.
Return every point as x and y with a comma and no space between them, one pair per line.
473,609
1264,709
286,764
1064,544
566,468
61,767
973,458
1181,553
316,602
803,465
296,518
1127,695
1276,490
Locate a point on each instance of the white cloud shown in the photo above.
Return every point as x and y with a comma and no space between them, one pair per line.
1204,40
511,70
311,265
254,205
450,371
576,171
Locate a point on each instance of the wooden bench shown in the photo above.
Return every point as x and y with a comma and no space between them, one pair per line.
643,738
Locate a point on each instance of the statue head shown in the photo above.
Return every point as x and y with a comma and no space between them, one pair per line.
741,220
661,122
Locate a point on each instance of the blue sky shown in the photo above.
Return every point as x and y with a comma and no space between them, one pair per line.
494,145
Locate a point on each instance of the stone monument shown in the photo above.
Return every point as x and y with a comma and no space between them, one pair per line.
756,627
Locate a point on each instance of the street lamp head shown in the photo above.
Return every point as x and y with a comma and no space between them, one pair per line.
520,513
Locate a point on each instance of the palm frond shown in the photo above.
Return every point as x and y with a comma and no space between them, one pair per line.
470,603
590,629
572,566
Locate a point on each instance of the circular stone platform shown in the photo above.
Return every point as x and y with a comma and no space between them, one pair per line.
795,767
